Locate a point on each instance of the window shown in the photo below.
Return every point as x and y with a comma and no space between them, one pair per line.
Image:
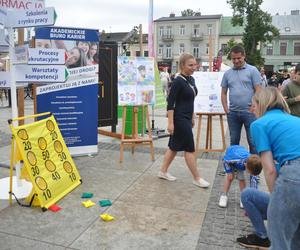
182,30
287,29
196,30
269,51
161,31
127,53
168,31
137,53
297,49
283,46
209,29
207,49
146,53
160,50
181,48
196,50
168,51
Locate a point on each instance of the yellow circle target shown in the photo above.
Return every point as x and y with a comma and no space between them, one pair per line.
31,158
58,146
42,143
68,167
50,165
50,125
22,134
41,183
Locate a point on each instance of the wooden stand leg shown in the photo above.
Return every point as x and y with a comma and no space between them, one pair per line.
210,131
135,140
223,132
207,132
198,134
123,133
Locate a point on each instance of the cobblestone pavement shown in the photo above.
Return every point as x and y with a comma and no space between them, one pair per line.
221,226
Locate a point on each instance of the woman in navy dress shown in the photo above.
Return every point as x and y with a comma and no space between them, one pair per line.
181,121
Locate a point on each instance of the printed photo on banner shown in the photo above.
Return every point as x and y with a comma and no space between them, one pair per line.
145,94
127,95
137,75
127,74
81,47
145,70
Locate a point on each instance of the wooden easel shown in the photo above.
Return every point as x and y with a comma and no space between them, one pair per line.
136,140
208,139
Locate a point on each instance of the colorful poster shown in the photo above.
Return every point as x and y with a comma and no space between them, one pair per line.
74,103
81,45
208,99
136,83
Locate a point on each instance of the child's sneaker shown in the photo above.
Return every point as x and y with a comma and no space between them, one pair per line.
223,200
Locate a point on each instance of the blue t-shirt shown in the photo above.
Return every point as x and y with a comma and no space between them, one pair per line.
278,132
235,157
241,84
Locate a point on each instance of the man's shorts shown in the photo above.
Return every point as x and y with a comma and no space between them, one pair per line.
231,168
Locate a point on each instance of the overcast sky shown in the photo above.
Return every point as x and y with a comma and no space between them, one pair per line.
123,15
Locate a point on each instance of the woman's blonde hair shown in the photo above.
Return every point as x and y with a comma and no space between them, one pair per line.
269,98
183,59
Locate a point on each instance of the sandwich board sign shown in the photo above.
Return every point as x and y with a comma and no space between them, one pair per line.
47,161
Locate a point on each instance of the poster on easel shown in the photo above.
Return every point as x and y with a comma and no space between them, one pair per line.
74,103
208,99
136,81
48,164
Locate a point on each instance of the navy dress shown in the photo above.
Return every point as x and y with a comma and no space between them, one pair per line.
181,100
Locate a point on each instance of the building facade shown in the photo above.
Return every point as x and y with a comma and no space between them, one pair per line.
283,52
196,34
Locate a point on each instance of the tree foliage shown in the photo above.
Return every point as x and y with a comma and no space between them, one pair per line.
188,12
230,44
258,27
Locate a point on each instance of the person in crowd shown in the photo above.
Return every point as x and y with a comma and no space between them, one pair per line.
263,78
165,79
76,58
236,159
273,81
85,46
181,120
284,76
287,81
43,43
276,137
291,93
92,55
242,81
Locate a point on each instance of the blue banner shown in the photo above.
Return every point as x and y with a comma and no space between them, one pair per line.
63,33
74,105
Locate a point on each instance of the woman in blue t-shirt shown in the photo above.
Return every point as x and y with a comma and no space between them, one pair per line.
277,139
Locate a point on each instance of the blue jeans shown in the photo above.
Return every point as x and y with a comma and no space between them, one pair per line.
256,205
284,208
235,120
